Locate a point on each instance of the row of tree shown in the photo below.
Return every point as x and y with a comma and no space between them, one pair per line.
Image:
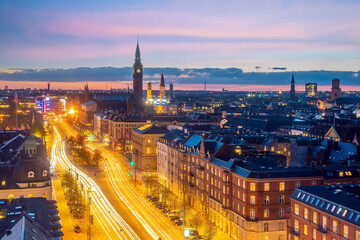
83,154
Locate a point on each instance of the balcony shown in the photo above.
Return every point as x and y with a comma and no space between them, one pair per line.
294,232
322,229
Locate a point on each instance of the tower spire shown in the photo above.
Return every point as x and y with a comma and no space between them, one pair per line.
292,90
162,81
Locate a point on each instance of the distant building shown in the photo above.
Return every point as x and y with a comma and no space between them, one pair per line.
325,212
311,89
292,90
335,89
149,93
138,81
144,146
171,91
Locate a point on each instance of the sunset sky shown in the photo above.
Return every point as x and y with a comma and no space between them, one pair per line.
298,35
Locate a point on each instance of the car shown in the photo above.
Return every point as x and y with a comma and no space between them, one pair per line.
198,237
174,218
178,223
149,197
153,199
159,206
165,211
77,229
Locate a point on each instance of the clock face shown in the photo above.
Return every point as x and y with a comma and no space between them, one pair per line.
138,71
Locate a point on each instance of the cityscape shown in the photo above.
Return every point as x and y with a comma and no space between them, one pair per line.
193,126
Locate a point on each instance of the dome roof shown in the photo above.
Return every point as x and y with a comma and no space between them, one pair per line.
31,170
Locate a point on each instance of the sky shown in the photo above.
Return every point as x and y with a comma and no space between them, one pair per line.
296,35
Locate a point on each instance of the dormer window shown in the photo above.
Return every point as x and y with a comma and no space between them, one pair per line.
44,174
31,174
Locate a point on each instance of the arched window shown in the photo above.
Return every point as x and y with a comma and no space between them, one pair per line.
31,174
44,174
11,196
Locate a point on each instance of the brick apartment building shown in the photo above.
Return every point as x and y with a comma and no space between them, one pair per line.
244,192
330,212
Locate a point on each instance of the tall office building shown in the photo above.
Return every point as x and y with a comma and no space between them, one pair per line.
138,80
311,89
335,90
171,90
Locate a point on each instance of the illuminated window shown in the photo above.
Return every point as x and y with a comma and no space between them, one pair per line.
266,213
305,230
272,149
357,235
314,217
252,187
314,234
334,226
3,182
341,174
244,185
252,200
252,214
266,187
297,209
30,195
348,173
282,186
306,213
296,226
324,222
266,229
148,150
346,232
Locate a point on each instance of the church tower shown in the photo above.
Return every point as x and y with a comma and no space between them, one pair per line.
162,88
292,90
138,80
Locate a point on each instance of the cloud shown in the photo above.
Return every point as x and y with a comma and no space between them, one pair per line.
279,68
220,76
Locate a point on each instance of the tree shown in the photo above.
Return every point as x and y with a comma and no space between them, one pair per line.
195,221
84,155
97,156
210,231
72,141
80,140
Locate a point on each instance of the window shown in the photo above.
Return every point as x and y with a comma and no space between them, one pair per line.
305,230
266,187
252,226
346,232
282,199
148,150
313,183
281,226
357,235
252,187
3,182
282,186
297,184
244,197
31,174
244,185
314,218
266,213
314,234
297,209
306,213
296,226
324,222
281,212
252,200
44,173
266,227
266,200
281,237
335,226
252,213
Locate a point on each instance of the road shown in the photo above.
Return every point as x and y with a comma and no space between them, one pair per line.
140,215
112,224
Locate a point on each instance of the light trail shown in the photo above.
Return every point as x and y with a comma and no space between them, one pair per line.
152,221
111,222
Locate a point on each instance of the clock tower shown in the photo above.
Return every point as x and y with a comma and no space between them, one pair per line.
138,80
